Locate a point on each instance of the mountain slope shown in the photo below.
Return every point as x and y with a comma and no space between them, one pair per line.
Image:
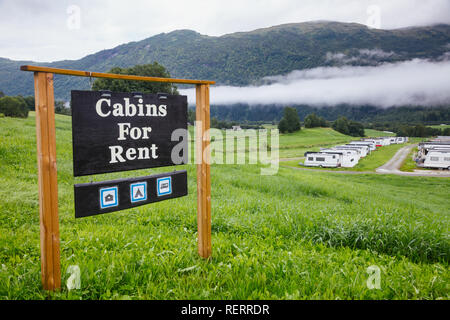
244,58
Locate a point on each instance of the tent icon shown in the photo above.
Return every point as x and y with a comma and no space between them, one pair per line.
138,191
138,194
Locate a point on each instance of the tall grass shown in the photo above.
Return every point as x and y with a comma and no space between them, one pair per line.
296,235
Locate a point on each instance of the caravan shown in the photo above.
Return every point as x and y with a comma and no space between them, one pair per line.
437,158
323,159
400,140
349,158
378,142
370,144
361,150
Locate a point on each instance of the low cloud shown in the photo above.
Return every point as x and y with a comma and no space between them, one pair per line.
362,56
415,82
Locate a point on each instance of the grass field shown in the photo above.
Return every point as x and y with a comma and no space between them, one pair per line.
376,133
295,235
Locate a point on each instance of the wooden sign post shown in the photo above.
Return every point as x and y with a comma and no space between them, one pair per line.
47,171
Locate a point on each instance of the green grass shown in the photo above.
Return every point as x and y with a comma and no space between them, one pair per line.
409,165
377,133
297,143
295,235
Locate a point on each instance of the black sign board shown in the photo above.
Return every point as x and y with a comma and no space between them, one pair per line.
109,196
126,131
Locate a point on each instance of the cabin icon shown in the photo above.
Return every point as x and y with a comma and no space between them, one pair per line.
109,197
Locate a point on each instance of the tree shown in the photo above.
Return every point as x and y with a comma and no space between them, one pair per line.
313,121
446,132
13,107
1,94
290,121
30,102
356,129
283,126
60,108
149,70
191,115
351,128
341,125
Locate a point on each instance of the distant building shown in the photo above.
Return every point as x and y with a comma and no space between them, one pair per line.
236,128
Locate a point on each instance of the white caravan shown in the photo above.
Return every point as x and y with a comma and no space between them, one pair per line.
361,150
364,149
400,140
425,147
349,158
323,159
386,141
392,140
370,144
378,142
437,158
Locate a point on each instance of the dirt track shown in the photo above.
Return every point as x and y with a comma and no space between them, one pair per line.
390,167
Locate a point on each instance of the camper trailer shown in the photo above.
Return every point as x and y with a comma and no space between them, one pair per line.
370,144
386,141
376,143
361,150
399,140
364,149
323,159
425,147
437,158
349,157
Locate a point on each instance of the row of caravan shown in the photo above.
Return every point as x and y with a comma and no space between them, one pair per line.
434,154
347,156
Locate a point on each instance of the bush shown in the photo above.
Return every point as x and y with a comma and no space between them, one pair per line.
13,107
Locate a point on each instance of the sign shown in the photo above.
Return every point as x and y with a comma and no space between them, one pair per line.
109,196
126,131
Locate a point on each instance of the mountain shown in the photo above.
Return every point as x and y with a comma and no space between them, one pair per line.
246,57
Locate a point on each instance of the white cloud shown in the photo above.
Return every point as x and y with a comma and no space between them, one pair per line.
415,82
363,56
38,29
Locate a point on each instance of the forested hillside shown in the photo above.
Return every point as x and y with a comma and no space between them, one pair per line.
246,57
366,114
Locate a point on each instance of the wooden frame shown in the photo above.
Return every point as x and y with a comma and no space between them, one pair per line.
47,170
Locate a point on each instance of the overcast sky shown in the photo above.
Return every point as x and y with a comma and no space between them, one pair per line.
49,30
